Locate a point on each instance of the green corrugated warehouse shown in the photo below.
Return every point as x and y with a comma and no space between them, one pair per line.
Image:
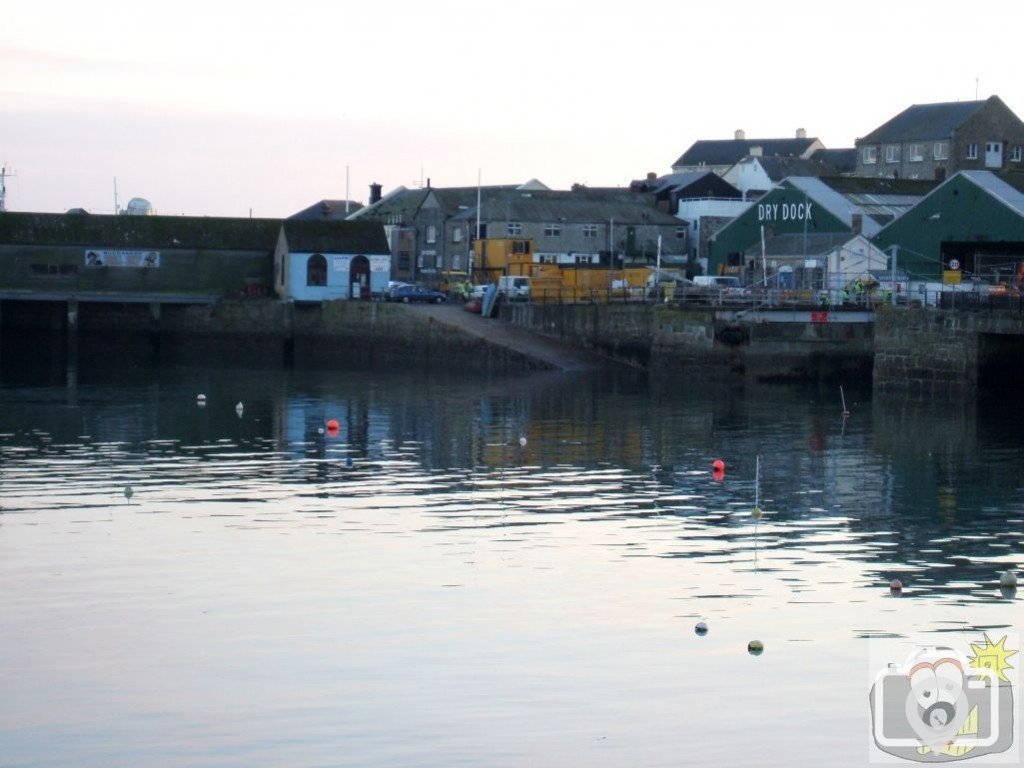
815,206
972,224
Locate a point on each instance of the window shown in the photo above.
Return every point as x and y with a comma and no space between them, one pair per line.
552,230
456,261
916,153
457,235
590,230
515,229
431,233
316,270
892,153
521,246
869,155
940,151
680,233
1018,154
439,261
972,151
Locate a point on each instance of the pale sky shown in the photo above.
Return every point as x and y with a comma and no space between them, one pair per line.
219,108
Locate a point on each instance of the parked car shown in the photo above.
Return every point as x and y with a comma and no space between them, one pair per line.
478,291
409,293
393,285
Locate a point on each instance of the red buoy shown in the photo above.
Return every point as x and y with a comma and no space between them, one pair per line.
718,465
332,425
718,474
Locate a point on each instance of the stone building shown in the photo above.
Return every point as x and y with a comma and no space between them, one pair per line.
934,141
719,155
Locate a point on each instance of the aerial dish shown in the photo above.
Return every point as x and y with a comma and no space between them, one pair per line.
139,206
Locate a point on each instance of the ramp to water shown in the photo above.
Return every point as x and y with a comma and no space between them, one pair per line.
547,351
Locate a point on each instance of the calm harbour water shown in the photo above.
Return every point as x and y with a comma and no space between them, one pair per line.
423,590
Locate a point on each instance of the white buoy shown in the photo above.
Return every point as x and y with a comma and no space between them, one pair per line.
239,409
896,586
1008,579
200,398
522,442
701,629
128,493
319,430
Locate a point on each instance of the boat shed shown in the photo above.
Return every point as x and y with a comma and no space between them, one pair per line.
807,206
326,260
969,228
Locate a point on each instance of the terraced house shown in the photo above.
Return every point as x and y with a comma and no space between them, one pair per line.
934,141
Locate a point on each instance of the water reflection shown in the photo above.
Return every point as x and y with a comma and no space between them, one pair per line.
426,536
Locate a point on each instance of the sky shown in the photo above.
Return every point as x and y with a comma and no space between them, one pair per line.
264,108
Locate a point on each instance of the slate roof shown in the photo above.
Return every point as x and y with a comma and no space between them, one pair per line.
312,236
403,204
328,209
843,160
580,206
128,232
779,168
188,232
923,122
680,182
731,151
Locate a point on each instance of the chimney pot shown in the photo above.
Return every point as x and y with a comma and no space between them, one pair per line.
801,133
652,176
741,135
375,190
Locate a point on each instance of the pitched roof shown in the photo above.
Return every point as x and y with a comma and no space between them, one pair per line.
580,206
91,230
731,151
876,201
843,160
328,209
402,204
778,168
1006,188
924,122
330,236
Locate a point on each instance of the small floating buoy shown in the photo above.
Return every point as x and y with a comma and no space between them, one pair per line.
896,586
239,409
200,398
522,442
128,493
1008,579
718,474
756,513
319,430
718,466
755,647
333,425
701,629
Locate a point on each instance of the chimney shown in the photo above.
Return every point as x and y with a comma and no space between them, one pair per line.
741,135
801,133
857,223
652,176
375,193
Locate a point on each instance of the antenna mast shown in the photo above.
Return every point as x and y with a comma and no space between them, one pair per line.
117,206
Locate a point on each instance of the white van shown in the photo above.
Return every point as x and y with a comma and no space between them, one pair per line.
514,288
725,284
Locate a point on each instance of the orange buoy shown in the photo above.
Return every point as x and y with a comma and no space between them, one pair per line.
332,425
718,465
718,474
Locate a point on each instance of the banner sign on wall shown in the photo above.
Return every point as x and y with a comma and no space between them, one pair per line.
145,259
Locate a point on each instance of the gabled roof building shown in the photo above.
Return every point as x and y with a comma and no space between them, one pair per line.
721,155
971,227
809,206
934,141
